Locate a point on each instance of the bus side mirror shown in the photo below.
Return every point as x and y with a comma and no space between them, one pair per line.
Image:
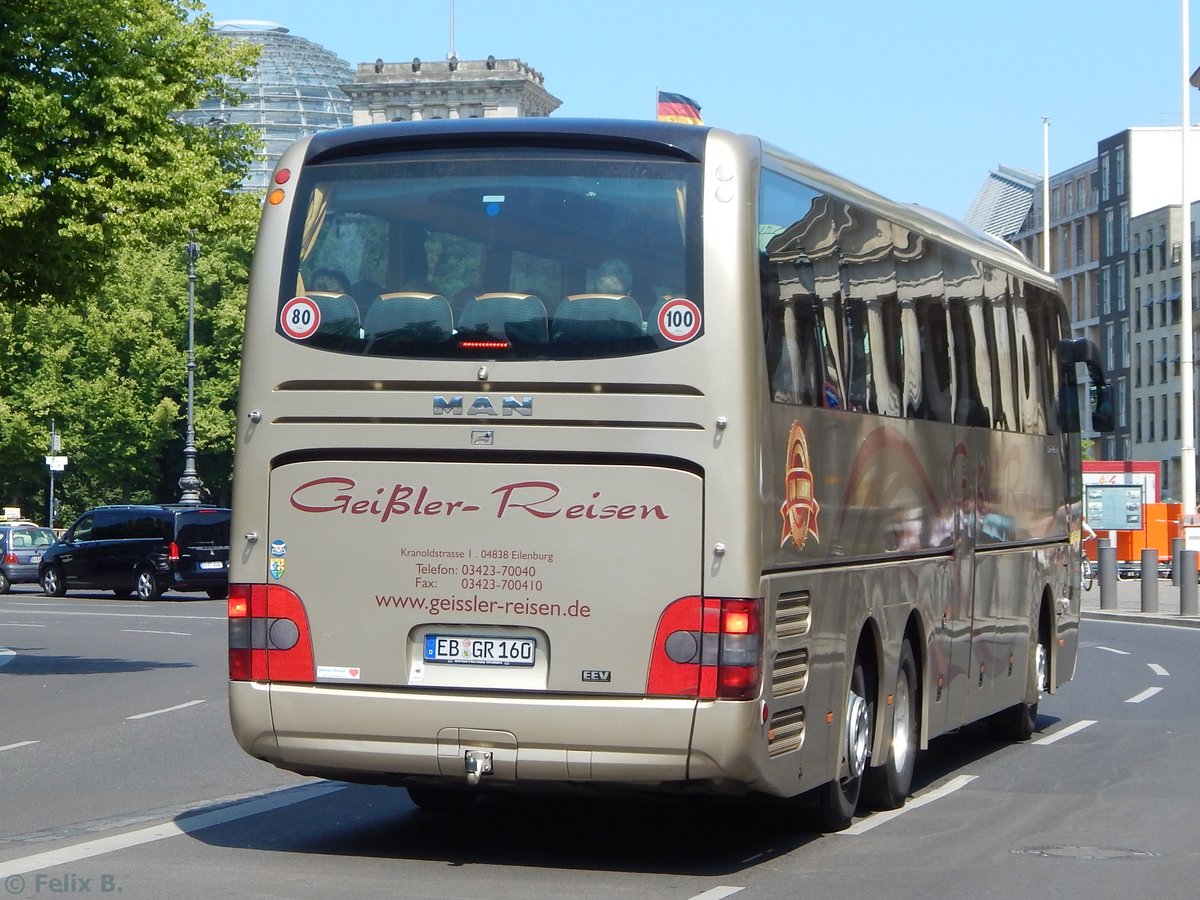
1090,409
1100,407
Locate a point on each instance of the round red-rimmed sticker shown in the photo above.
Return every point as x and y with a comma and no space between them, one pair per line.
300,318
679,320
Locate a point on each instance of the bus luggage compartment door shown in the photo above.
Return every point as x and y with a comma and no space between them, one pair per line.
484,576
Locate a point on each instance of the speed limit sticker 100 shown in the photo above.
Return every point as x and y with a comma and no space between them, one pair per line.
679,320
300,318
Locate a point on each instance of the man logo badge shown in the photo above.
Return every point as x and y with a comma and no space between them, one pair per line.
601,675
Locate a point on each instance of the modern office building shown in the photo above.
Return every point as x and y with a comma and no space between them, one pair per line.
1155,269
1003,203
450,89
1095,249
295,91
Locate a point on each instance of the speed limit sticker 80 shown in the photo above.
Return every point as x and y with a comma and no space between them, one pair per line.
679,320
300,318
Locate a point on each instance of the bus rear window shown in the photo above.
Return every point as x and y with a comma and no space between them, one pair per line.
497,254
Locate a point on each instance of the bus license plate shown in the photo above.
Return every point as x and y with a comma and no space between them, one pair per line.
475,650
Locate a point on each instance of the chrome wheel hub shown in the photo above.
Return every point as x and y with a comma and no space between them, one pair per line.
858,730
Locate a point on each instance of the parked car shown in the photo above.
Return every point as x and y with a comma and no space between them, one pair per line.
142,551
21,546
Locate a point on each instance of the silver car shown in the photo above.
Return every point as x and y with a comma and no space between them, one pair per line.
21,547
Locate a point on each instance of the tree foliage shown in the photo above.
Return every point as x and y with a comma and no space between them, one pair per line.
91,155
102,185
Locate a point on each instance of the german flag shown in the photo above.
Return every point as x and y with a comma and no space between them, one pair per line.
678,108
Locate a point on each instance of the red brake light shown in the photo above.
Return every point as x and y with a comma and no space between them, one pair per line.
173,552
269,637
708,647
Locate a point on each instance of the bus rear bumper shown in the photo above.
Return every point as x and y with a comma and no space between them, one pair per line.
388,736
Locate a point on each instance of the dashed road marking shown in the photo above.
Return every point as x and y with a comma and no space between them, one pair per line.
159,712
876,819
1064,733
16,745
1144,695
718,892
147,631
1157,669
182,825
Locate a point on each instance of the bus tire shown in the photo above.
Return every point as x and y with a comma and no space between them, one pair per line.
1018,722
838,800
440,799
887,786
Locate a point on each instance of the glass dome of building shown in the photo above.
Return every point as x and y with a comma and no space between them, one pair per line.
295,92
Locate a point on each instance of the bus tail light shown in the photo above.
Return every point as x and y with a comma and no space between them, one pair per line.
269,637
708,647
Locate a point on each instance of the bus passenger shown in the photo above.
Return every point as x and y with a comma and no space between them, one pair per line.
614,277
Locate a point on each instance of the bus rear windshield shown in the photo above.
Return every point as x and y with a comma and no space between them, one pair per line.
496,254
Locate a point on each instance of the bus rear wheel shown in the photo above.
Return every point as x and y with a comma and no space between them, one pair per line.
838,800
1017,723
887,786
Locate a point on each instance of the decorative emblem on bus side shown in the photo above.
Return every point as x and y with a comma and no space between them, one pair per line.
799,509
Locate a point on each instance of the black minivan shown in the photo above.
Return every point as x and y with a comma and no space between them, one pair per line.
141,551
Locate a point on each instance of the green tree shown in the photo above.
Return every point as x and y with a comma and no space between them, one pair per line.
91,156
102,185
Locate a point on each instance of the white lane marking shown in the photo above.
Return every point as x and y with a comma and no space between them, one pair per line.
20,625
16,745
127,615
718,892
1144,695
1158,670
876,819
147,631
6,656
159,712
1113,650
183,825
1066,732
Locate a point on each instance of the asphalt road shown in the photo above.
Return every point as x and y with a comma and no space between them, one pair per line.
118,775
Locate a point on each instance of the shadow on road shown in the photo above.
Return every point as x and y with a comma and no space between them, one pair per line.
671,835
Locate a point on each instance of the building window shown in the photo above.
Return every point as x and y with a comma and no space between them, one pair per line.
1104,174
1137,309
1137,419
1105,291
1121,302
1109,226
1151,420
1124,228
1120,154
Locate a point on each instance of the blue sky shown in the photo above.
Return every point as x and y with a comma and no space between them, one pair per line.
916,100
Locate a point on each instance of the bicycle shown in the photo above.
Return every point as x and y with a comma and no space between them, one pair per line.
1086,573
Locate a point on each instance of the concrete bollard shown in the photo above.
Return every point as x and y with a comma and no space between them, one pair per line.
1106,558
1149,580
1178,545
1187,583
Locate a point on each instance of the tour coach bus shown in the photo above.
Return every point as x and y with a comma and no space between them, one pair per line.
640,455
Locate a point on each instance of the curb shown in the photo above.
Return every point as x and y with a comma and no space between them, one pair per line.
1141,618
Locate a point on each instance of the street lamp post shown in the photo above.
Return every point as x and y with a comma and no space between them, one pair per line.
190,483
